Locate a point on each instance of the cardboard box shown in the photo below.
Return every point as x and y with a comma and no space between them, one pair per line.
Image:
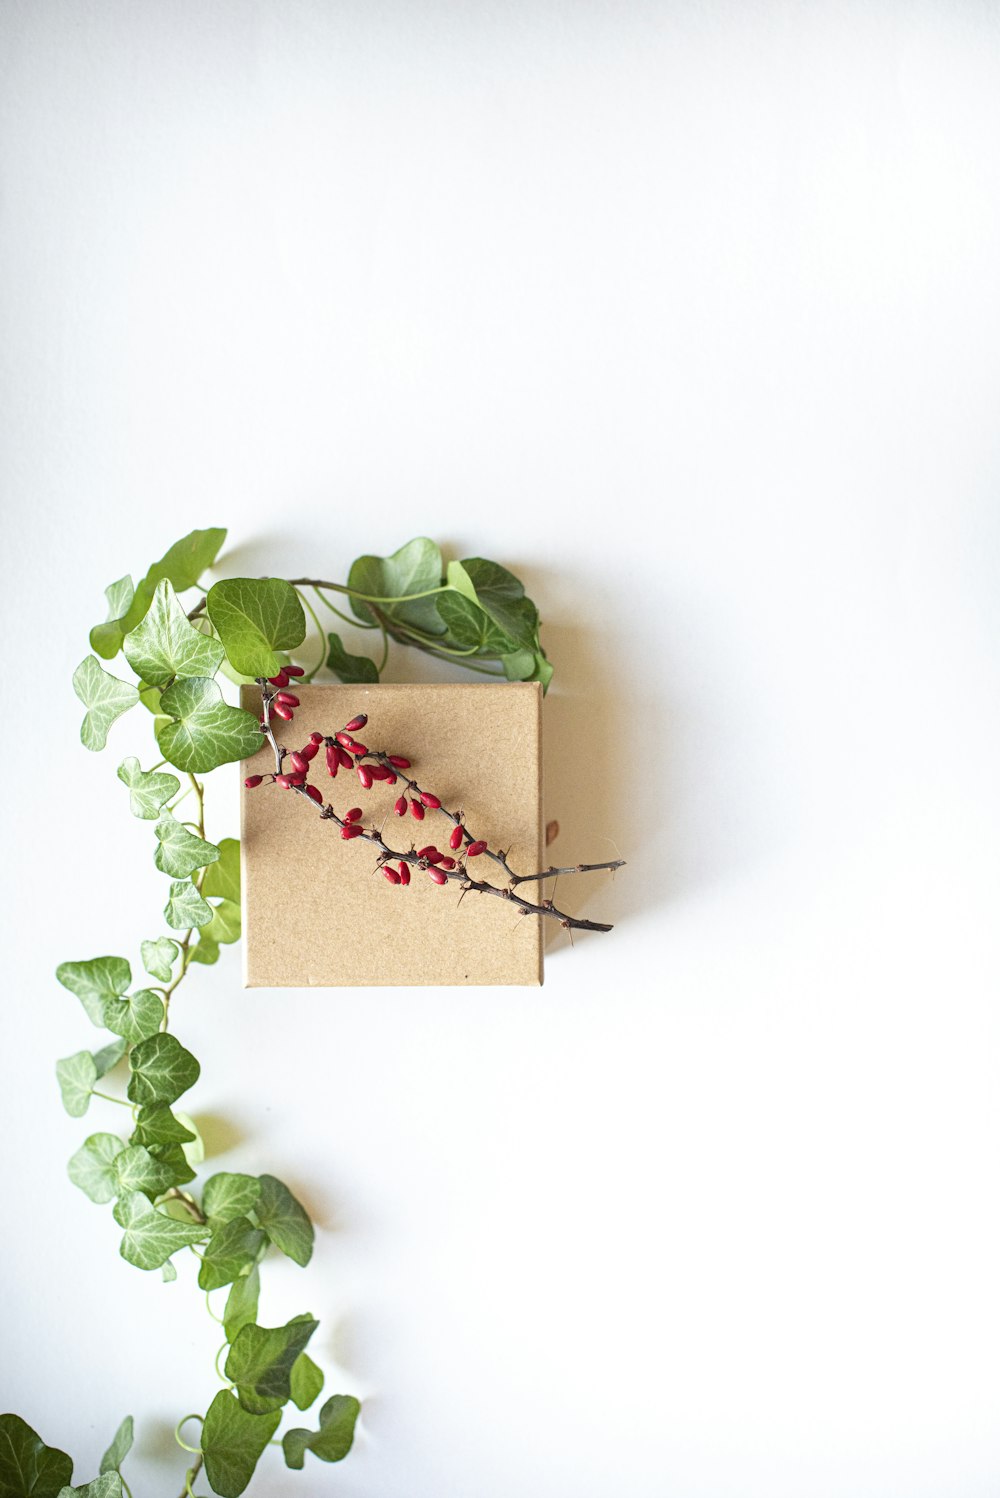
315,914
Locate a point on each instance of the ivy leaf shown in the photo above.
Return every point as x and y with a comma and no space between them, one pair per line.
332,1441
158,957
168,1271
180,851
204,730
136,1017
233,1442
501,595
471,628
94,982
224,927
241,1304
109,1056
136,1169
149,791
104,697
254,617
414,568
106,639
161,1070
185,907
456,577
182,565
260,1362
29,1468
228,1195
77,1075
120,1447
232,1251
165,645
156,1125
307,1381
194,1145
349,668
174,1158
285,1221
107,1486
223,878
91,1167
519,665
150,1235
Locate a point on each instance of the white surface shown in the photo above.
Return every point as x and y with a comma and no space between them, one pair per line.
691,315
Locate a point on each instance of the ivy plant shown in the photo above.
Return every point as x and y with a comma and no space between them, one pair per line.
162,648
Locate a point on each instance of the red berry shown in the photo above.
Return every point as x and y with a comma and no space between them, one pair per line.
315,792
296,779
345,759
299,762
252,781
354,815
281,680
404,872
379,772
429,800
283,781
399,762
281,711
391,875
343,738
442,859
474,849
365,776
288,698
357,748
438,876
426,852
400,807
390,779
332,759
316,738
351,830
416,811
309,751
296,670
356,723
455,841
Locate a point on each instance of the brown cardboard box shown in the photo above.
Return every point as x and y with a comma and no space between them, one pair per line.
314,913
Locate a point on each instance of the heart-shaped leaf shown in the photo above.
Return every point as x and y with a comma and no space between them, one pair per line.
232,1251
106,639
29,1468
148,790
332,1441
204,730
185,908
233,1442
150,1235
161,1070
76,1075
180,851
260,1362
159,956
94,982
136,1016
284,1219
256,616
390,583
104,697
229,1194
349,668
91,1168
166,645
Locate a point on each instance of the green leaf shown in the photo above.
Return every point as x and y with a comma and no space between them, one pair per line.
543,670
204,730
168,1271
231,1252
241,1305
224,927
104,697
456,577
233,1442
471,628
165,645
228,1195
109,1485
77,1075
29,1468
414,568
150,1235
501,595
180,851
94,982
254,617
158,957
307,1381
182,565
350,668
106,639
135,1017
149,790
91,1168
194,1147
204,949
185,907
174,1158
156,1125
519,665
161,1070
260,1362
223,878
285,1221
332,1441
120,1447
109,1055
137,1170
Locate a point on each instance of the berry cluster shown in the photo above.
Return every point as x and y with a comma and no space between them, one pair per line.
343,751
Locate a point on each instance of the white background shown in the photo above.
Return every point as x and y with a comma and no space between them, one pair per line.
690,314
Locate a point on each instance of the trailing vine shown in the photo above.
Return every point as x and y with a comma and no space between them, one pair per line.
473,613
